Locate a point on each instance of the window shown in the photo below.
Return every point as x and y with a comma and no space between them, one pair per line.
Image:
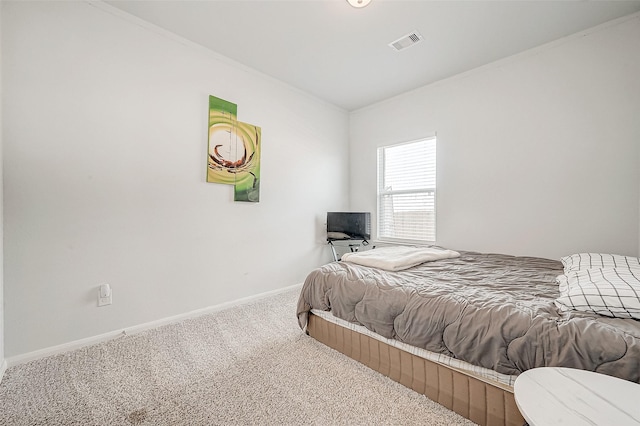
407,191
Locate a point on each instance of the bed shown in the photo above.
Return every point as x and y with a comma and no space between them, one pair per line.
460,329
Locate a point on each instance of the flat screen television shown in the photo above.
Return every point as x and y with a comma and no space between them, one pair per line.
348,226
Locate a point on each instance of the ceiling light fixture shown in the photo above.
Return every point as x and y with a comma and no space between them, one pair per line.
358,3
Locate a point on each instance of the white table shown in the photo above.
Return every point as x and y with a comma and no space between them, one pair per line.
564,396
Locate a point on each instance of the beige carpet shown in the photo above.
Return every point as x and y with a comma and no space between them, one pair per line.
248,365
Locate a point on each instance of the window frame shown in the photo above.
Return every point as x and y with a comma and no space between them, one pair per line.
381,192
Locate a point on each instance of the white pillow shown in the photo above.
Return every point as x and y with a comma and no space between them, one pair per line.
614,292
580,261
563,285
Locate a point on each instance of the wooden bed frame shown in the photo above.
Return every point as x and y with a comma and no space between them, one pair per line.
480,400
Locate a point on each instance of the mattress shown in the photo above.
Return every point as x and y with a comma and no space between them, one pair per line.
482,401
480,372
488,310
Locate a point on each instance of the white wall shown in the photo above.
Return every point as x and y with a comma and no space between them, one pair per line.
2,360
105,159
537,153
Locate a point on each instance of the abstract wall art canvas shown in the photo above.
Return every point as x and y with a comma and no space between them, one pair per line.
234,151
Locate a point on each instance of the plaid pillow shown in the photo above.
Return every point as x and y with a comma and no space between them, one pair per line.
581,261
614,292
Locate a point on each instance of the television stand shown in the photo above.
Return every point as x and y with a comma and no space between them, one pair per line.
353,246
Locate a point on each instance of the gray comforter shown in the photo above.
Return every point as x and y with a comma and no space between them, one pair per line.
491,310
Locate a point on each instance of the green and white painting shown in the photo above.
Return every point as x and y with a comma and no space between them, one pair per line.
234,151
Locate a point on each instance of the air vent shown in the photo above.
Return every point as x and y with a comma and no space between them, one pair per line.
406,41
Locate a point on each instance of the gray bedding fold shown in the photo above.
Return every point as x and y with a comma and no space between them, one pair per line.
491,310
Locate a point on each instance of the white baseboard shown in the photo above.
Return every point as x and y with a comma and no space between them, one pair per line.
77,344
3,368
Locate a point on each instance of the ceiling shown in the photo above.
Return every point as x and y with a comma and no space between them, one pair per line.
341,54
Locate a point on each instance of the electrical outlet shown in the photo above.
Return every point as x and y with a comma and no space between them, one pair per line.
105,296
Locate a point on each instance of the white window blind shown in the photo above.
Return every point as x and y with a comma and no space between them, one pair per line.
407,191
